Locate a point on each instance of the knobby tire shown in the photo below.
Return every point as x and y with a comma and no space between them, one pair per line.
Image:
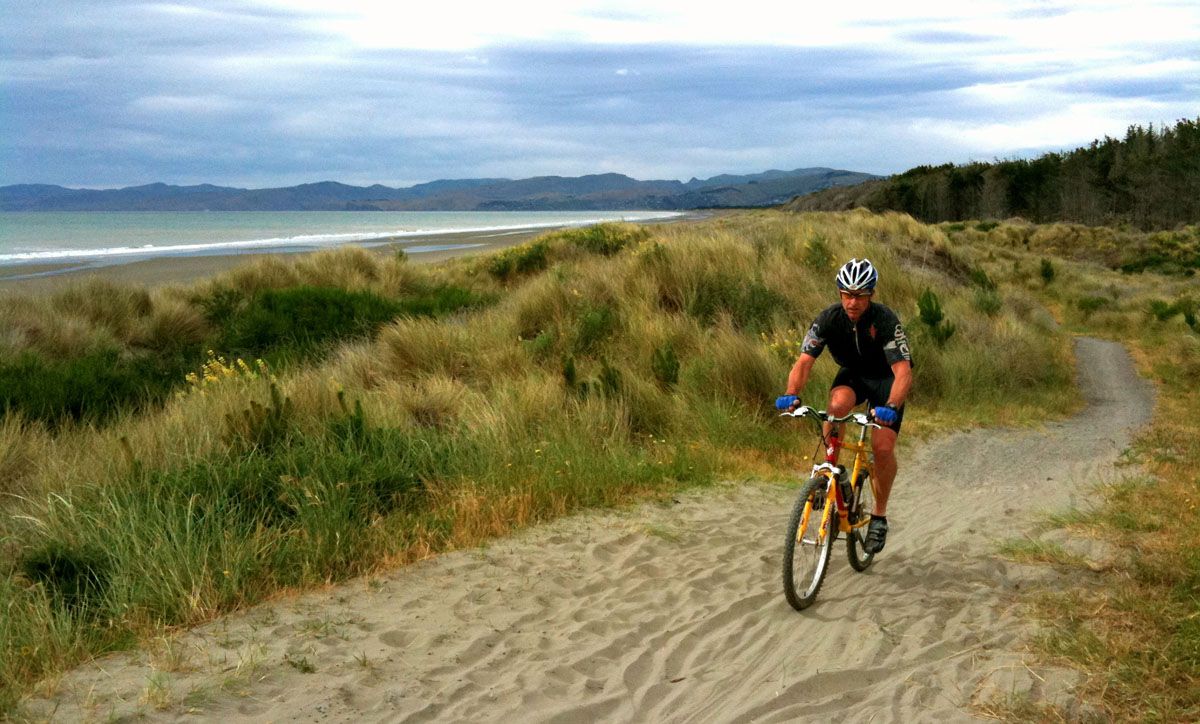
860,509
813,561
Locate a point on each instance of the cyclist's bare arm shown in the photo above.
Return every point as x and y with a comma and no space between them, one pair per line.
798,377
902,371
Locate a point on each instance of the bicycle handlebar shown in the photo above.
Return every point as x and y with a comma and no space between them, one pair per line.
822,415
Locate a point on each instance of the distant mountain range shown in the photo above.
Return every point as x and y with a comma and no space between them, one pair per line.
544,193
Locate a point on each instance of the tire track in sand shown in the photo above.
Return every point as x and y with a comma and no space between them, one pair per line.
670,613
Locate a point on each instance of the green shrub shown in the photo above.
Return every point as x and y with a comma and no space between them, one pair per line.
817,254
92,388
543,344
930,310
605,239
665,366
1162,311
569,374
749,304
76,577
986,226
1047,271
594,325
260,427
955,227
304,319
307,320
609,379
1090,304
980,279
988,302
440,301
221,304
518,260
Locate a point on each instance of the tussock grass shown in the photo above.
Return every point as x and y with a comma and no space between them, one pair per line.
1134,630
615,364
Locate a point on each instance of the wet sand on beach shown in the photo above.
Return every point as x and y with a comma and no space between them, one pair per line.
25,279
49,278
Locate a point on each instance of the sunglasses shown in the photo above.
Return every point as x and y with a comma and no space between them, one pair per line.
855,295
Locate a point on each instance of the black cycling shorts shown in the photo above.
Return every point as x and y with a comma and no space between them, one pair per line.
874,390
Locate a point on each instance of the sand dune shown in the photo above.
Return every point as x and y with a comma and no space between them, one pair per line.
671,613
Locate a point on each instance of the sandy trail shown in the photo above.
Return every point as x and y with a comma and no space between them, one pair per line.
669,613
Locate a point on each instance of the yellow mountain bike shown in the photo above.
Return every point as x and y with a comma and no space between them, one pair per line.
834,500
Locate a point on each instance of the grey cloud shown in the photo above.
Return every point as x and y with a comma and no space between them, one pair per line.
114,94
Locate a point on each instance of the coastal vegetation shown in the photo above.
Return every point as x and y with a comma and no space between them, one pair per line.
590,367
1131,623
1148,180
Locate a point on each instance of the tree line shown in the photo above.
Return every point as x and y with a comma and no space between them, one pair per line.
1150,179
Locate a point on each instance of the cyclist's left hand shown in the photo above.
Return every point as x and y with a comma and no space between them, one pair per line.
885,415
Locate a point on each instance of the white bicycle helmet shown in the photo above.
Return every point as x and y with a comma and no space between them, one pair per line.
857,275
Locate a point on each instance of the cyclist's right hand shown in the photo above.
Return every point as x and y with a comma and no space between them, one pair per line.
787,402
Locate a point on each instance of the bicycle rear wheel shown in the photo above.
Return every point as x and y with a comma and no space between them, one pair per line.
807,548
860,510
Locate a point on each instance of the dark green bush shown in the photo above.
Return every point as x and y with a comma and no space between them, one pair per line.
980,279
569,374
594,325
1090,304
518,260
1162,311
665,366
304,319
76,577
749,304
986,226
930,310
605,239
442,300
91,388
1047,271
260,427
609,379
817,254
221,304
988,302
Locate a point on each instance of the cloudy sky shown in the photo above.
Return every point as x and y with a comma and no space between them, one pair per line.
103,93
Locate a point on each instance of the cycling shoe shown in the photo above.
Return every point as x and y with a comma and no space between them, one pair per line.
876,535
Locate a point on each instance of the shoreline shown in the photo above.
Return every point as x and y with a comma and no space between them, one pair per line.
159,271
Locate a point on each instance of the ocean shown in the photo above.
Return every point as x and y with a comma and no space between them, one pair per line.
119,236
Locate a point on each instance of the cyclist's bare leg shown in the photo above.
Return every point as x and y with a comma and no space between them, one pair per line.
841,401
883,444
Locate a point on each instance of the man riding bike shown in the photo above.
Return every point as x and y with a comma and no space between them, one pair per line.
869,343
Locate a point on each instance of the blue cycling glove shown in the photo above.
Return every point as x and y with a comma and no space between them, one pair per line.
786,402
885,414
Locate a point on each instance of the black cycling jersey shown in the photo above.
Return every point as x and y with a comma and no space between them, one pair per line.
868,348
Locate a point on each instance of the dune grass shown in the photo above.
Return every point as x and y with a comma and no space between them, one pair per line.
587,368
1134,630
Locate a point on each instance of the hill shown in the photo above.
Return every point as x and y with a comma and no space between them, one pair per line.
1149,180
597,191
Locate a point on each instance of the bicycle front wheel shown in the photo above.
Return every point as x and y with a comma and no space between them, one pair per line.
860,511
808,545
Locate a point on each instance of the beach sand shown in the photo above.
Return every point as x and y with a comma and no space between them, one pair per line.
673,612
38,279
48,278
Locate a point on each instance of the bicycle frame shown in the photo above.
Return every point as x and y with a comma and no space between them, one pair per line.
807,549
830,469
